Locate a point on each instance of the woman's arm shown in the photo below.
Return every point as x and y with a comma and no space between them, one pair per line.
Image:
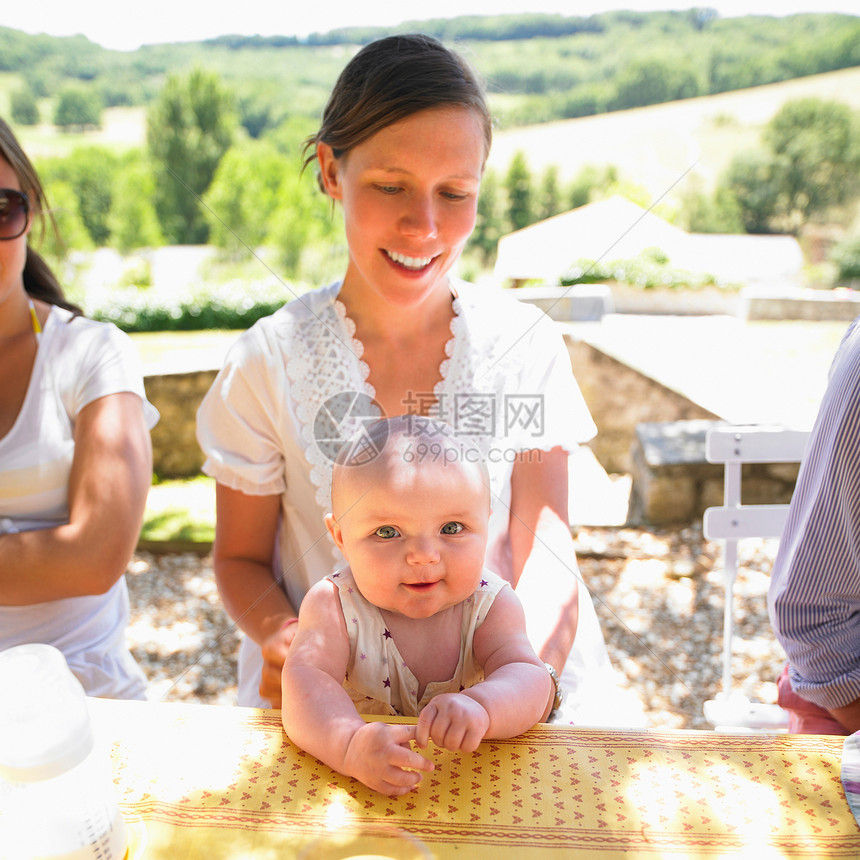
109,480
245,532
546,576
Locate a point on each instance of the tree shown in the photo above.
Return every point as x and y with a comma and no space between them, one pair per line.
549,194
590,181
751,180
189,129
78,108
90,172
23,107
816,150
262,108
488,223
846,257
259,196
244,194
653,80
717,213
303,219
810,163
518,184
70,225
132,220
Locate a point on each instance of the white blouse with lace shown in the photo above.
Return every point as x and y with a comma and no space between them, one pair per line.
294,386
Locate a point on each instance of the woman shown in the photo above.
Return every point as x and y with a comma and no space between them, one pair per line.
75,456
402,147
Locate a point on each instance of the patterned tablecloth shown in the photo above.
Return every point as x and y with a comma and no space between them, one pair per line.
217,782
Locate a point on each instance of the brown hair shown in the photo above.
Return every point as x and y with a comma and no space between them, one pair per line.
39,281
391,79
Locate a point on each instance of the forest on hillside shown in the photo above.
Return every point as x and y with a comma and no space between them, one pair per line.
229,116
538,67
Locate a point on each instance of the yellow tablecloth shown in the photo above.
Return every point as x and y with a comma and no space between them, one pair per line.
217,782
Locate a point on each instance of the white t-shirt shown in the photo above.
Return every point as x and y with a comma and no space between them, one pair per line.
77,361
294,387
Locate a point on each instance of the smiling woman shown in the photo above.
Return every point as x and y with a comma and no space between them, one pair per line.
408,208
401,146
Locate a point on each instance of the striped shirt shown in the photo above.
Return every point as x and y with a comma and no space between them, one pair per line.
814,597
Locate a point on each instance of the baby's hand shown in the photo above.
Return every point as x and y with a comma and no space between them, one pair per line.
452,721
379,755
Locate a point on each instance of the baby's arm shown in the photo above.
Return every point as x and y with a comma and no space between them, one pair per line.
516,692
318,714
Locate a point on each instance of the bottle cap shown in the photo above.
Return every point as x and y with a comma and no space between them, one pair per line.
44,720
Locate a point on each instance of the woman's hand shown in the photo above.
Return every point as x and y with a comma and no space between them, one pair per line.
242,558
274,649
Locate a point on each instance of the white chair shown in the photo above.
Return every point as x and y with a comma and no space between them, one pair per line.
734,446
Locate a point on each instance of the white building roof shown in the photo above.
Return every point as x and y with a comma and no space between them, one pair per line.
617,228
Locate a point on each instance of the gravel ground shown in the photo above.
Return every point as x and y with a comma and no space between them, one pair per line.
658,594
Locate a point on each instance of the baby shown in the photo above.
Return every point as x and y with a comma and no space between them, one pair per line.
414,625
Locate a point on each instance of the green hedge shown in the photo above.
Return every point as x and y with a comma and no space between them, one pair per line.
235,305
650,270
846,256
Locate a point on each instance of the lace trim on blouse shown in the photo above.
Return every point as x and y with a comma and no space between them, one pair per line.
327,373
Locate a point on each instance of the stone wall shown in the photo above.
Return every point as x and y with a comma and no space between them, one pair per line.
674,483
669,484
175,451
816,305
620,397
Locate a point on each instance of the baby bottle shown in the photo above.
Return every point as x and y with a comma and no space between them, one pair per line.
56,792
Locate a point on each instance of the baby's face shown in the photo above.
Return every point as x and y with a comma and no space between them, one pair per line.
414,534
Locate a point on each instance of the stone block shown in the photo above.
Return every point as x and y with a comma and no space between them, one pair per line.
175,452
673,482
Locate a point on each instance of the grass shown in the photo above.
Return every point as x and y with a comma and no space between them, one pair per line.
123,128
180,511
174,348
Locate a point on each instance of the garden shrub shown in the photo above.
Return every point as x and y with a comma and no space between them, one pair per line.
234,305
650,270
846,256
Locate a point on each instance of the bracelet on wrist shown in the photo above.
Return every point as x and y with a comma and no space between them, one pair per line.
556,682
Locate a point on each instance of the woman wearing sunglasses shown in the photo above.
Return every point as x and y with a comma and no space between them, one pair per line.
75,456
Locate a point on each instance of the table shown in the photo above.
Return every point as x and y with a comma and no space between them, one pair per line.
205,781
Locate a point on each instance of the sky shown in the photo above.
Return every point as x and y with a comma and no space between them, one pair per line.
125,26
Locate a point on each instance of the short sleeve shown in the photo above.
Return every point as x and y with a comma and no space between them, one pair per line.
547,371
109,364
240,419
510,375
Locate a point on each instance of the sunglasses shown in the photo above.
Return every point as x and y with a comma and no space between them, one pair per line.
14,213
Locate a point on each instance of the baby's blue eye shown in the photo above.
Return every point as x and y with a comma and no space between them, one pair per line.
386,532
452,528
